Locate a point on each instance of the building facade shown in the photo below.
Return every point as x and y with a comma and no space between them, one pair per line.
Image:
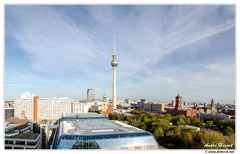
35,109
95,131
9,112
23,136
90,95
79,107
179,110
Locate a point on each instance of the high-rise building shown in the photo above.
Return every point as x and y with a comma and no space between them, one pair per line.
90,95
114,64
35,108
212,103
26,106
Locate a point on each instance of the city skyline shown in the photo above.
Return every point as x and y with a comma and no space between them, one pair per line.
57,50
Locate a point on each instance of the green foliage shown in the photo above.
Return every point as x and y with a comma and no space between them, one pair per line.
180,122
228,131
90,110
230,140
194,121
200,124
181,116
209,124
175,136
158,132
188,121
185,140
211,138
167,117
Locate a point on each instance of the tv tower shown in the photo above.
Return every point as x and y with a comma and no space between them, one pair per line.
114,64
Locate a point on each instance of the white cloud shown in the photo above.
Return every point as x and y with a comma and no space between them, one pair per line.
81,43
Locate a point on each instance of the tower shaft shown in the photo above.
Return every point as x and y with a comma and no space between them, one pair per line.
114,64
114,94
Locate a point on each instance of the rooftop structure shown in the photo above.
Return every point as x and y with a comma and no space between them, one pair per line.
94,131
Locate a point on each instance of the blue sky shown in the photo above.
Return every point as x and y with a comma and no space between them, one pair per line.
63,50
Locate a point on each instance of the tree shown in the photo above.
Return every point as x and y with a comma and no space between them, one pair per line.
158,132
211,138
160,116
167,117
194,121
221,124
181,116
177,131
228,131
90,110
180,122
186,140
209,124
200,124
230,140
188,121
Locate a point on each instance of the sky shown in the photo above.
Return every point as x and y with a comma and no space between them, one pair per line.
162,50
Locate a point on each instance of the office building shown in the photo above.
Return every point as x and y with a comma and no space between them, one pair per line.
90,95
23,137
34,108
95,131
26,106
9,112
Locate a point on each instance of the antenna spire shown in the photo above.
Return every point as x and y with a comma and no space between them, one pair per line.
114,43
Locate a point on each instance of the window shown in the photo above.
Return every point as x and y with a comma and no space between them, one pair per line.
31,143
18,148
85,145
20,142
8,147
8,142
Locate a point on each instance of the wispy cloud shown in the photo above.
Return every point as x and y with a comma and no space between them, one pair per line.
73,45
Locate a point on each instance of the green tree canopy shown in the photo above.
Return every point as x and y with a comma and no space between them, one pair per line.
209,124
228,131
158,132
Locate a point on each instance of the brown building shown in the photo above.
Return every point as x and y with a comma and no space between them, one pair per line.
178,109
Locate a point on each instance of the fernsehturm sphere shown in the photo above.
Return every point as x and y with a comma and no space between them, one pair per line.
114,64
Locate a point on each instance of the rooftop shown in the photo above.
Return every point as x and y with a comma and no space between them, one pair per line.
79,130
92,127
25,136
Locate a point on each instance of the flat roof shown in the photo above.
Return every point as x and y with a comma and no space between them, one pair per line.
95,127
84,115
25,136
108,134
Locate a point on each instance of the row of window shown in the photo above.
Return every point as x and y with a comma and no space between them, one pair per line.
102,137
20,142
107,143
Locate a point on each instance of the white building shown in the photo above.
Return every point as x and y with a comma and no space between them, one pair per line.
33,108
79,107
53,108
217,116
23,141
23,108
22,137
